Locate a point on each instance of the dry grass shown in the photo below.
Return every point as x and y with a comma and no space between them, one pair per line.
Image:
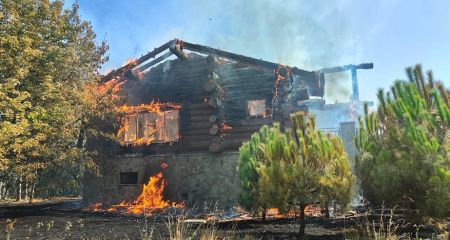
377,230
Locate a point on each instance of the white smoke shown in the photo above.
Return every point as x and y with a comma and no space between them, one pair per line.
307,34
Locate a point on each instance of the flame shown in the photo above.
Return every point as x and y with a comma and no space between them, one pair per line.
164,165
151,126
96,207
139,74
153,106
131,61
226,127
113,85
150,200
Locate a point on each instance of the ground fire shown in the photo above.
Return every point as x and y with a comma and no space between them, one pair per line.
150,200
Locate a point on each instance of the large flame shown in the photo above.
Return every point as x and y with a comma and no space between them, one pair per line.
150,200
151,125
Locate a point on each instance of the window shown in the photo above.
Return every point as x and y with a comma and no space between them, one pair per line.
151,127
130,128
256,108
129,178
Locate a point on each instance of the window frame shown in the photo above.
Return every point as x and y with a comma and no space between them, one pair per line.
263,114
121,182
160,131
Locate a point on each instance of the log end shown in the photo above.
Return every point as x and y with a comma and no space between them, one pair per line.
210,86
214,130
215,147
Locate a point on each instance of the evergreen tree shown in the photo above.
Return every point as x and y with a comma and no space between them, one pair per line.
321,174
300,166
404,146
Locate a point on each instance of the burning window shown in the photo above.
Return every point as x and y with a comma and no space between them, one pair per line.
154,123
130,128
256,108
129,178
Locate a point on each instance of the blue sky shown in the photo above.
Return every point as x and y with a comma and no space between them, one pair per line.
308,34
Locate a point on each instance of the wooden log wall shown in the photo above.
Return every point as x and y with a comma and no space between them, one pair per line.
171,81
241,85
214,95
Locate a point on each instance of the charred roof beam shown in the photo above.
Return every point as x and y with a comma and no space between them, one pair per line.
129,66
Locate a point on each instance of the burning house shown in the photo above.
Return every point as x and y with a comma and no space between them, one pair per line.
186,117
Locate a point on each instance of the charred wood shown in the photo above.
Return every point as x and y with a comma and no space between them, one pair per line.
214,118
257,121
210,86
198,106
212,102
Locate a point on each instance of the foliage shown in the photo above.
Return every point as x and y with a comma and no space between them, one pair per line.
405,146
48,81
259,165
300,166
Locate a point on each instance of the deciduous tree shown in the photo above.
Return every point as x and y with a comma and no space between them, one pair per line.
48,78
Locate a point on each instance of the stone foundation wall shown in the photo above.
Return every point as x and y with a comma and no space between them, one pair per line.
192,178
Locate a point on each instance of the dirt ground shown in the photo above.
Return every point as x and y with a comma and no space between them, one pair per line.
78,225
64,219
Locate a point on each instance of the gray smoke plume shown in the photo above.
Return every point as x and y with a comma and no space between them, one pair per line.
307,34
338,87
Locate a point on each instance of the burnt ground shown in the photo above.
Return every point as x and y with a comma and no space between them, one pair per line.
64,220
78,225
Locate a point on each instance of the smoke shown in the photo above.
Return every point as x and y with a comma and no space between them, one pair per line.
307,34
338,87
166,70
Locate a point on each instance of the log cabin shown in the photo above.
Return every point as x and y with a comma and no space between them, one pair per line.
187,112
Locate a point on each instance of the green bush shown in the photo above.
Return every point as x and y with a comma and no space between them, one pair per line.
405,146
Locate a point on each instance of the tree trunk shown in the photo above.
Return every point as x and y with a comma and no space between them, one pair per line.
264,215
301,233
80,140
1,190
19,190
327,210
31,196
26,190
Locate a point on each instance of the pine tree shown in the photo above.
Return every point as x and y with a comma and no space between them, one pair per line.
300,166
322,171
404,146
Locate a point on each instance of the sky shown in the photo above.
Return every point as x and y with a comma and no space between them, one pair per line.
392,34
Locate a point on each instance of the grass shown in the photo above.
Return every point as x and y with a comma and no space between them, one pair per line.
387,230
176,228
376,230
